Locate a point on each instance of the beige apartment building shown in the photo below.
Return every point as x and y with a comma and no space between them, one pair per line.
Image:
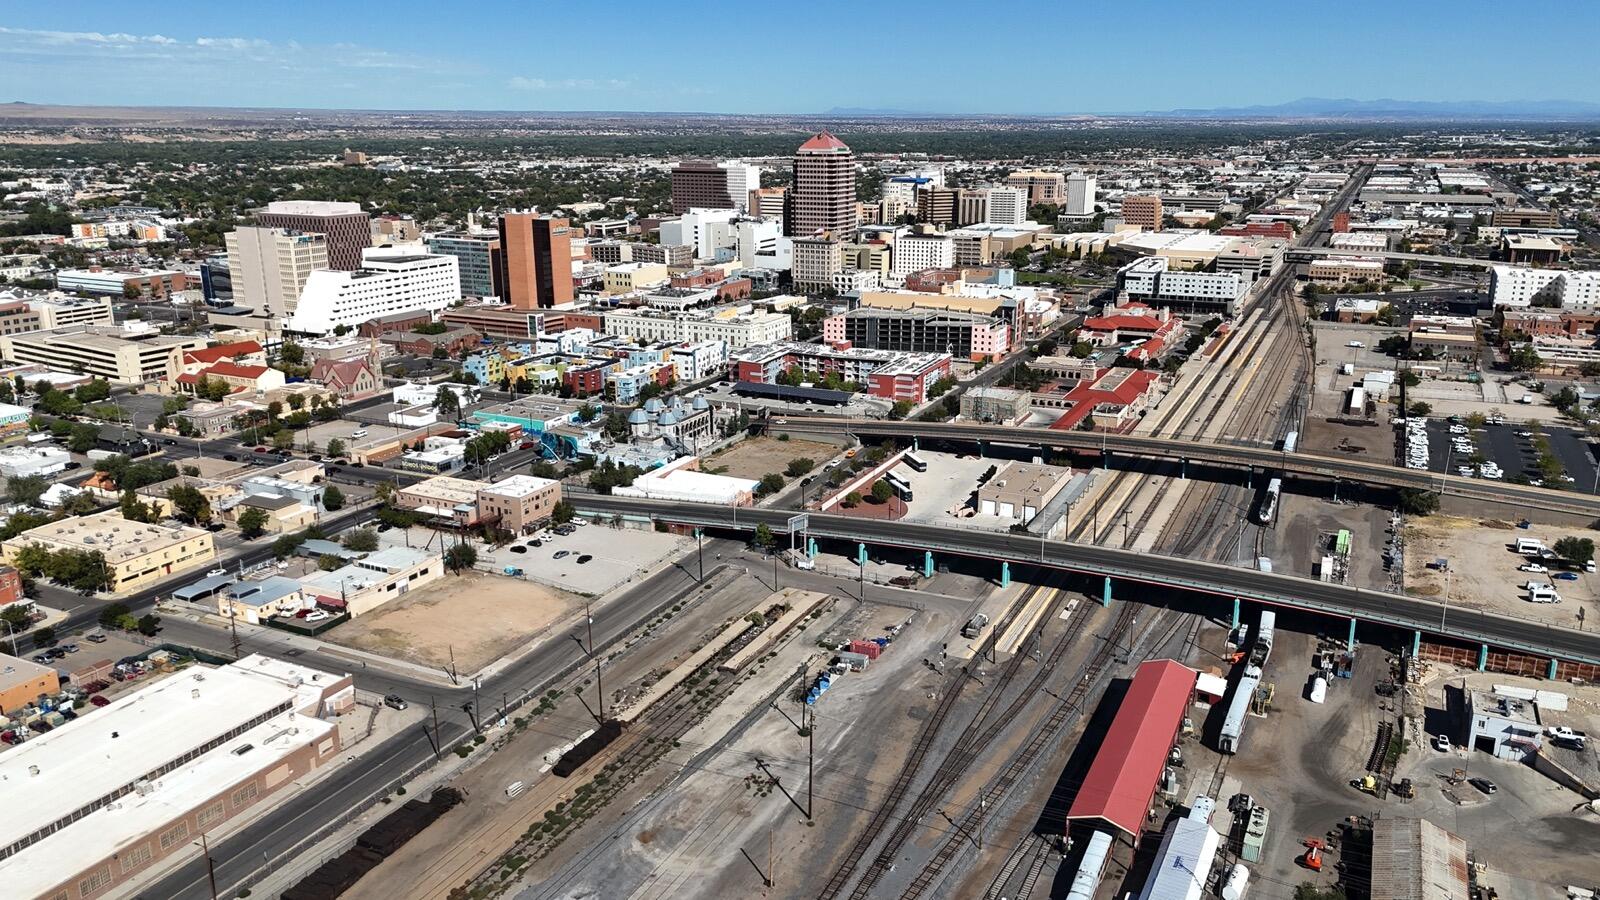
137,553
521,503
816,261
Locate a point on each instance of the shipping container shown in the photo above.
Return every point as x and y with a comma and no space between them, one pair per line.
856,661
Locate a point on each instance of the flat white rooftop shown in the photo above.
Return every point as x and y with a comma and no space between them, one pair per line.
116,746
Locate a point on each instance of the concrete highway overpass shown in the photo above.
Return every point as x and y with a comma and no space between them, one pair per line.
1003,548
1304,465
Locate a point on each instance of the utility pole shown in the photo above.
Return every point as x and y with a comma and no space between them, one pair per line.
700,539
211,866
233,623
811,760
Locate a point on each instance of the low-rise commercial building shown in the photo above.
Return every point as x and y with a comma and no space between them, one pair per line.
1151,281
135,283
1342,270
1002,406
442,498
373,580
885,373
519,504
137,554
22,462
1018,491
23,681
96,804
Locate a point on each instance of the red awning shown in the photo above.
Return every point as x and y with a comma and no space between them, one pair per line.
331,602
1126,770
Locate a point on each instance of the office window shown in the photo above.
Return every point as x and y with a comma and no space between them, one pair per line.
244,794
210,816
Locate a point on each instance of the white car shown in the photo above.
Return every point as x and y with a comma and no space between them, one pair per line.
317,616
1534,568
1442,743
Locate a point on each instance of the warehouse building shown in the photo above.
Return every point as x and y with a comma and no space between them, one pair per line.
22,681
1414,859
97,803
1018,491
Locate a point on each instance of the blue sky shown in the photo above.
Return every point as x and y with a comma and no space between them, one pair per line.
792,57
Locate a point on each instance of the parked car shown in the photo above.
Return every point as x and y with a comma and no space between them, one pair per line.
562,554
229,457
584,558
70,648
317,615
261,449
1566,576
394,701
98,700
1532,567
95,638
1442,743
536,543
518,548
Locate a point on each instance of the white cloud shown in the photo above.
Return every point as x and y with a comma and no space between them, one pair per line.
87,37
208,51
522,83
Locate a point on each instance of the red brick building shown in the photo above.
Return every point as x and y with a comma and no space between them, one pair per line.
400,321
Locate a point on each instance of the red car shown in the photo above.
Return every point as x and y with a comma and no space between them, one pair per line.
98,700
261,449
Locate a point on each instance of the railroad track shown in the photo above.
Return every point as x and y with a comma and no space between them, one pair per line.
885,811
962,755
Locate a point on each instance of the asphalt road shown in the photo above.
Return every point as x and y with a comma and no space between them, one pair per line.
1212,578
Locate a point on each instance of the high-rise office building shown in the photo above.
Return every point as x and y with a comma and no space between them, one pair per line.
1080,195
1005,206
699,184
269,267
1143,211
535,261
824,194
478,255
347,228
742,179
1042,187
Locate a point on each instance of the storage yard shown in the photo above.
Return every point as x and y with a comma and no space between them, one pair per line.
1482,568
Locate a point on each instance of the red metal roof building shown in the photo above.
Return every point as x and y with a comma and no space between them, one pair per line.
1122,779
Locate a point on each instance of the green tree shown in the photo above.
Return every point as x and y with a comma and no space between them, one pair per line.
1578,550
881,491
1310,891
852,499
335,447
1524,358
901,409
332,498
84,437
149,624
283,439
562,513
447,403
26,489
1419,408
18,616
59,403
189,505
292,354
44,637
460,556
253,522
770,483
284,546
361,540
96,390
1418,502
765,539
798,466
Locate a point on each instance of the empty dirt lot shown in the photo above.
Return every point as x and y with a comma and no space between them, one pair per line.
478,617
1483,568
756,457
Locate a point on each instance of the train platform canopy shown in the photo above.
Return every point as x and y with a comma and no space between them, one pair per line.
1123,778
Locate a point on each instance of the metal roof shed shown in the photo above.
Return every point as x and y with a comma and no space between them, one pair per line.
1123,777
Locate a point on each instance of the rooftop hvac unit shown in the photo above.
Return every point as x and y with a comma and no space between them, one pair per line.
144,788
195,693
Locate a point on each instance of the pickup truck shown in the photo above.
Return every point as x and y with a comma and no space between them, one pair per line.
1564,733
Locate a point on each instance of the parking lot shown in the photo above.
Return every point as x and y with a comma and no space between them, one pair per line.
943,493
1513,448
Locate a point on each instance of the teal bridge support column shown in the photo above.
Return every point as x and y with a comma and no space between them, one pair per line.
1483,657
1416,644
1350,643
1105,596
927,564
861,554
1551,675
1235,621
811,548
1005,574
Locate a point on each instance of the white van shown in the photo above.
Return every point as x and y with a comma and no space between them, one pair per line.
1542,593
359,433
1356,344
1526,546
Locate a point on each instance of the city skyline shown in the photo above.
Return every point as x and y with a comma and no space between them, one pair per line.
570,58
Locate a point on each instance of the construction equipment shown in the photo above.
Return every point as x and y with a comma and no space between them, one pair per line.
1312,858
1404,789
1365,784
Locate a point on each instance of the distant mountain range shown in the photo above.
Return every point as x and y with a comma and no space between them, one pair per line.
1324,108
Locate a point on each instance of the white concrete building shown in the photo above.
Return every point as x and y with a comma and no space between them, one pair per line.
733,329
383,285
1080,195
270,266
705,230
742,179
915,251
761,244
1518,286
1149,280
1005,206
20,462
701,359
